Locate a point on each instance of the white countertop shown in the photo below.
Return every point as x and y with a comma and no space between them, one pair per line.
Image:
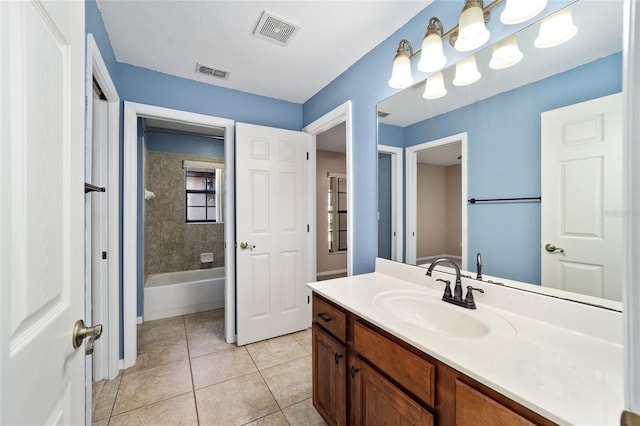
569,375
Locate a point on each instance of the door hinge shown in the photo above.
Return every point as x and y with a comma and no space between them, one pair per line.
104,255
307,227
307,156
308,300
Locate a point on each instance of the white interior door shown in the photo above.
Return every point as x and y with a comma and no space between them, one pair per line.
582,198
271,232
42,211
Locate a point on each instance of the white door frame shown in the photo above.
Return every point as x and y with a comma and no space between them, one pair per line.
631,149
341,114
133,111
411,190
108,297
397,174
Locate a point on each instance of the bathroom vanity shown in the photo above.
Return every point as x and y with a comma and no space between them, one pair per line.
387,350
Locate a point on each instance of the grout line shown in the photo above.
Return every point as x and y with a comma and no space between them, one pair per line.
193,386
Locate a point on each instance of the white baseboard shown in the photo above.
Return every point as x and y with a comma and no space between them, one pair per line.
336,272
139,320
121,364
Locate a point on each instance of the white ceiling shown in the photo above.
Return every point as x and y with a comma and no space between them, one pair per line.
599,35
443,155
172,36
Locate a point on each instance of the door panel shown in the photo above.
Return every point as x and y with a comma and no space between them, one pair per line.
582,198
271,211
42,205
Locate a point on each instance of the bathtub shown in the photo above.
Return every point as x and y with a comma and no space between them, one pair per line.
185,292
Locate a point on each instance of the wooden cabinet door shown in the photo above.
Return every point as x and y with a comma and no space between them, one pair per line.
376,401
474,408
329,381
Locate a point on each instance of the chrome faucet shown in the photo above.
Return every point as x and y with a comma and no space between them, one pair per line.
456,298
479,267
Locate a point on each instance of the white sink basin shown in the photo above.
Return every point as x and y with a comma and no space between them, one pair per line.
427,311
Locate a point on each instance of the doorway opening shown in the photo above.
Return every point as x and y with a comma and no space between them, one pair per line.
436,201
332,119
183,213
133,259
332,196
390,203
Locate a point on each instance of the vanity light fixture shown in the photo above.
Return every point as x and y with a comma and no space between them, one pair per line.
401,76
470,34
434,88
472,31
466,72
556,29
432,57
505,53
517,11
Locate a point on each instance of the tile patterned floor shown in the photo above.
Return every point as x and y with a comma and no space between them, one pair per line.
187,375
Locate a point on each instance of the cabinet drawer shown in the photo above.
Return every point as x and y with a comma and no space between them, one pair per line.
408,369
476,408
330,317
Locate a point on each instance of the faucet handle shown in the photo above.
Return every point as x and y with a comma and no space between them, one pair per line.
447,288
468,299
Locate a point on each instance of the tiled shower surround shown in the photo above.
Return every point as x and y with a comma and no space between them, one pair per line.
171,244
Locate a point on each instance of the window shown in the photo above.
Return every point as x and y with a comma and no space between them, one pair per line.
337,211
201,199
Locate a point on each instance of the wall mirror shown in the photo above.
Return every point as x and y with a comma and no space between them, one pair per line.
501,118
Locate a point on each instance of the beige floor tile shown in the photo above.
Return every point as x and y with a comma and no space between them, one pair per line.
162,329
179,410
161,352
235,402
275,351
104,396
145,387
206,343
221,366
304,338
303,414
275,419
290,382
103,422
205,322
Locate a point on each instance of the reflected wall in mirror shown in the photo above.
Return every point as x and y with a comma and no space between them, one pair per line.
501,115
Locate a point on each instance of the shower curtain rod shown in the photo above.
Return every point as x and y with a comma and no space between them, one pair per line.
184,134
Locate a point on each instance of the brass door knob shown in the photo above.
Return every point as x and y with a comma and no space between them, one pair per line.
245,245
80,332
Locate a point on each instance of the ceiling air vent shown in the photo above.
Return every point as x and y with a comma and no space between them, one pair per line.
274,29
382,114
212,71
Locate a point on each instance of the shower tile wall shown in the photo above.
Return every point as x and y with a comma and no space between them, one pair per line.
170,243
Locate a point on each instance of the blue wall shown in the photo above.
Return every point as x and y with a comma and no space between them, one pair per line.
504,161
365,84
155,88
164,141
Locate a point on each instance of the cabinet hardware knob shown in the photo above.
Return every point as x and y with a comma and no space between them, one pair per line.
354,370
323,317
337,357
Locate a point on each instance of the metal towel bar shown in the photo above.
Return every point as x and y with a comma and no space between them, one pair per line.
488,200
